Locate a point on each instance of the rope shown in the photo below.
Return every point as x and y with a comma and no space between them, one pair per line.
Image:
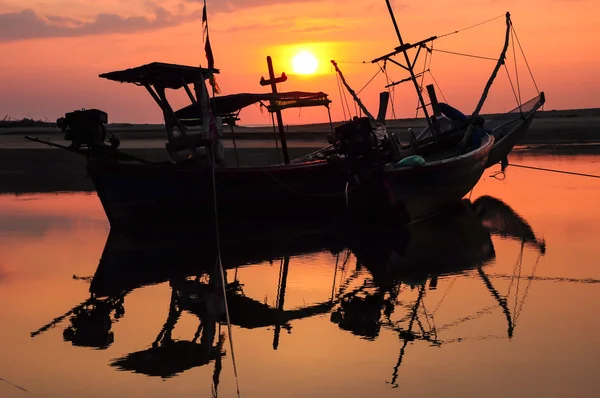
555,171
438,86
16,386
345,98
316,195
512,42
220,263
549,278
422,79
470,27
337,259
522,302
391,90
511,84
467,55
525,58
437,307
370,80
520,267
276,140
337,80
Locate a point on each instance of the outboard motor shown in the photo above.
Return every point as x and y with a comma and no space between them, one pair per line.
354,138
85,127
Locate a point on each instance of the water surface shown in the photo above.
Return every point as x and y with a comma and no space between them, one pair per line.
500,299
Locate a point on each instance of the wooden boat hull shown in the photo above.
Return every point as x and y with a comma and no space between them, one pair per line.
426,190
505,141
136,195
505,145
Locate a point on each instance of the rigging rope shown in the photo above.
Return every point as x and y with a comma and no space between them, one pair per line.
438,86
391,89
470,27
520,267
16,386
337,259
524,58
345,98
314,195
276,140
219,260
511,84
512,42
467,55
337,79
422,79
370,80
444,296
555,171
522,303
223,281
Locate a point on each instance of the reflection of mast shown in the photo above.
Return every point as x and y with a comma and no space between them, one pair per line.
501,301
407,335
283,272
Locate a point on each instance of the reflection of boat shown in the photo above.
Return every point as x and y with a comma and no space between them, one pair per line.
500,219
362,301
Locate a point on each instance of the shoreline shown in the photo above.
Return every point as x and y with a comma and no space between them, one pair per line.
579,126
31,167
52,170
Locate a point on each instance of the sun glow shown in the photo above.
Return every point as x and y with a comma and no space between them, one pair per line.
305,63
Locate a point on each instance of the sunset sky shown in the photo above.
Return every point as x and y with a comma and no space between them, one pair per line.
53,51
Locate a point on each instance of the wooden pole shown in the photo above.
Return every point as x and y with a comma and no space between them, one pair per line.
358,101
471,127
410,67
280,299
273,82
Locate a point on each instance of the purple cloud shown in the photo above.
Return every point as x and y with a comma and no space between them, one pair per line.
27,24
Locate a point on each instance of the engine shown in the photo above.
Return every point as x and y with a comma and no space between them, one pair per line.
85,127
354,138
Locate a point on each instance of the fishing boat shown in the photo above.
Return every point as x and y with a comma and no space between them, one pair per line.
364,171
448,125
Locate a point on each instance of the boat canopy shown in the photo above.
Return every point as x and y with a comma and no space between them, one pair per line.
231,104
160,74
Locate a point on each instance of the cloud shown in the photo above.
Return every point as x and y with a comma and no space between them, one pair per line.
27,24
229,5
285,24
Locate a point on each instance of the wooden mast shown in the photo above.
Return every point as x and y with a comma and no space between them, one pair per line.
410,67
273,82
500,62
358,101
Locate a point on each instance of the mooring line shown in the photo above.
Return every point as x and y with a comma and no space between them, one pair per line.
548,278
16,386
555,171
220,263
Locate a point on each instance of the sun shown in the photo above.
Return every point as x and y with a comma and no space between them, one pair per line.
305,63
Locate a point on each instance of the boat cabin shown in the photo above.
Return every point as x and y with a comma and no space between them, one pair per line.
205,110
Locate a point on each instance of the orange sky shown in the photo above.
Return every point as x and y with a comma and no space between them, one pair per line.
53,51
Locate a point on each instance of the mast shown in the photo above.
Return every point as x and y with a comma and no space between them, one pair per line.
410,67
273,83
496,69
490,80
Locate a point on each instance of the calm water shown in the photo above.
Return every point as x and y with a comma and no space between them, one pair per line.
501,299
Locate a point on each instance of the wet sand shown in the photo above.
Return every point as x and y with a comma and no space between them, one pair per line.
548,127
27,167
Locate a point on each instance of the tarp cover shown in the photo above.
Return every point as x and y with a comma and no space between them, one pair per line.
157,73
230,104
